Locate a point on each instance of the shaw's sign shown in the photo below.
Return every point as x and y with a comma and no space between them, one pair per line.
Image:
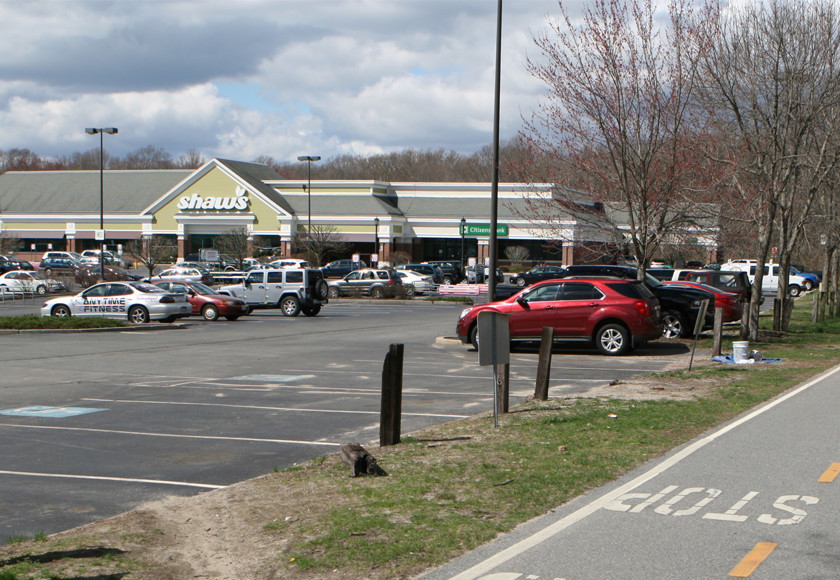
239,202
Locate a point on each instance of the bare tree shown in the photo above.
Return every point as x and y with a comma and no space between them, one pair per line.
192,159
517,255
235,243
151,252
619,125
321,241
771,73
9,243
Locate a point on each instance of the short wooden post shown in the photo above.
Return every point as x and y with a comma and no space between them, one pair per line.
718,332
503,390
389,420
544,364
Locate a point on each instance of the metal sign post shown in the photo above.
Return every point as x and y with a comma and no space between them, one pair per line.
494,348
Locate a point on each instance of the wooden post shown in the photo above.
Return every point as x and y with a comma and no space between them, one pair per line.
544,364
718,332
389,420
503,390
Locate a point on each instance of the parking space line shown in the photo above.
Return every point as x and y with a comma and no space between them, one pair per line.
271,408
830,474
173,435
120,479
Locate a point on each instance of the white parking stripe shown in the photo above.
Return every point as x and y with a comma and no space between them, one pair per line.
267,408
174,435
121,479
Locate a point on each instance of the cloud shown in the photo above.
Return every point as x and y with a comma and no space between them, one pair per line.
262,77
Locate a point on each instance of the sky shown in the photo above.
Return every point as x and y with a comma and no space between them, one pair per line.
243,78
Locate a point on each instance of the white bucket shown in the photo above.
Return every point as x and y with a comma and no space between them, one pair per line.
740,351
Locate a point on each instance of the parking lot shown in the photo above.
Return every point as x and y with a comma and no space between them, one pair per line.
96,423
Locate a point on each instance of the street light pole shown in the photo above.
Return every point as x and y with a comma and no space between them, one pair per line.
376,239
101,131
463,231
309,159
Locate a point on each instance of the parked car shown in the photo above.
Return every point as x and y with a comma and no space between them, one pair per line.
291,290
90,274
50,254
661,273
680,306
184,273
65,266
416,283
137,302
289,263
811,280
728,281
615,315
729,302
472,279
770,281
9,263
27,281
373,282
426,269
537,274
451,271
224,263
92,257
340,268
207,302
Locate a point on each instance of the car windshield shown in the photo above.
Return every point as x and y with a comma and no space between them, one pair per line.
201,288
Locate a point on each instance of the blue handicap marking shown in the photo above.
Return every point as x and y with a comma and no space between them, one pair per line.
53,412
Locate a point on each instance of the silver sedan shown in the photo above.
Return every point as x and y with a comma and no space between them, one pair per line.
136,302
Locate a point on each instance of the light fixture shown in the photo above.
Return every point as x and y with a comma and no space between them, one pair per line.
101,131
309,159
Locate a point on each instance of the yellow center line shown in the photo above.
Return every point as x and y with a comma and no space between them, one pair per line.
830,474
751,561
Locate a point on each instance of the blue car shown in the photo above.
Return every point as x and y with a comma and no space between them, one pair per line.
811,280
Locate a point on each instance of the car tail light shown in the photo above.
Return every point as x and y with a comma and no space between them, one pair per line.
642,307
721,300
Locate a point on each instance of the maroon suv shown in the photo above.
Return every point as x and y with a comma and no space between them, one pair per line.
616,315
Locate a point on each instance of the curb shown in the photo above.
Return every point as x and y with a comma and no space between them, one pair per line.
136,328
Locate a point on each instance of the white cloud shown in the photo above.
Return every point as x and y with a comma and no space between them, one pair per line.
263,77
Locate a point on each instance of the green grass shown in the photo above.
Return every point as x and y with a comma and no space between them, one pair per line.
33,322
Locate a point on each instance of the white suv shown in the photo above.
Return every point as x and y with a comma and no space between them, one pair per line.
770,281
292,291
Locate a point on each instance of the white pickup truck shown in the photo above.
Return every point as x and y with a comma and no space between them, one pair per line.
292,290
770,282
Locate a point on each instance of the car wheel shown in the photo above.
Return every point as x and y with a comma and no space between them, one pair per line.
474,336
322,289
794,290
210,312
808,285
48,271
138,315
410,291
312,310
674,326
41,289
290,306
612,339
447,279
61,311
377,292
520,282
334,292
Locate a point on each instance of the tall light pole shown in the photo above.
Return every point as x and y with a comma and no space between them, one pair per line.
376,239
309,159
101,131
463,231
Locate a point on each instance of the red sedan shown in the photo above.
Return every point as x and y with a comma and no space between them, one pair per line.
206,301
729,301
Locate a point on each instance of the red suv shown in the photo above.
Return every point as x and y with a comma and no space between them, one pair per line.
616,315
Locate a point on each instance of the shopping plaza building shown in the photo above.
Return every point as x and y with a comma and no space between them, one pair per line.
62,210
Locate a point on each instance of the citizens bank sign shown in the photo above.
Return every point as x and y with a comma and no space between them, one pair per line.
239,202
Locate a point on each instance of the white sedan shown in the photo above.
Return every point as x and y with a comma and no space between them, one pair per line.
136,302
421,283
26,281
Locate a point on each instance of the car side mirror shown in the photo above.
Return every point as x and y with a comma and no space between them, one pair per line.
247,283
523,303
